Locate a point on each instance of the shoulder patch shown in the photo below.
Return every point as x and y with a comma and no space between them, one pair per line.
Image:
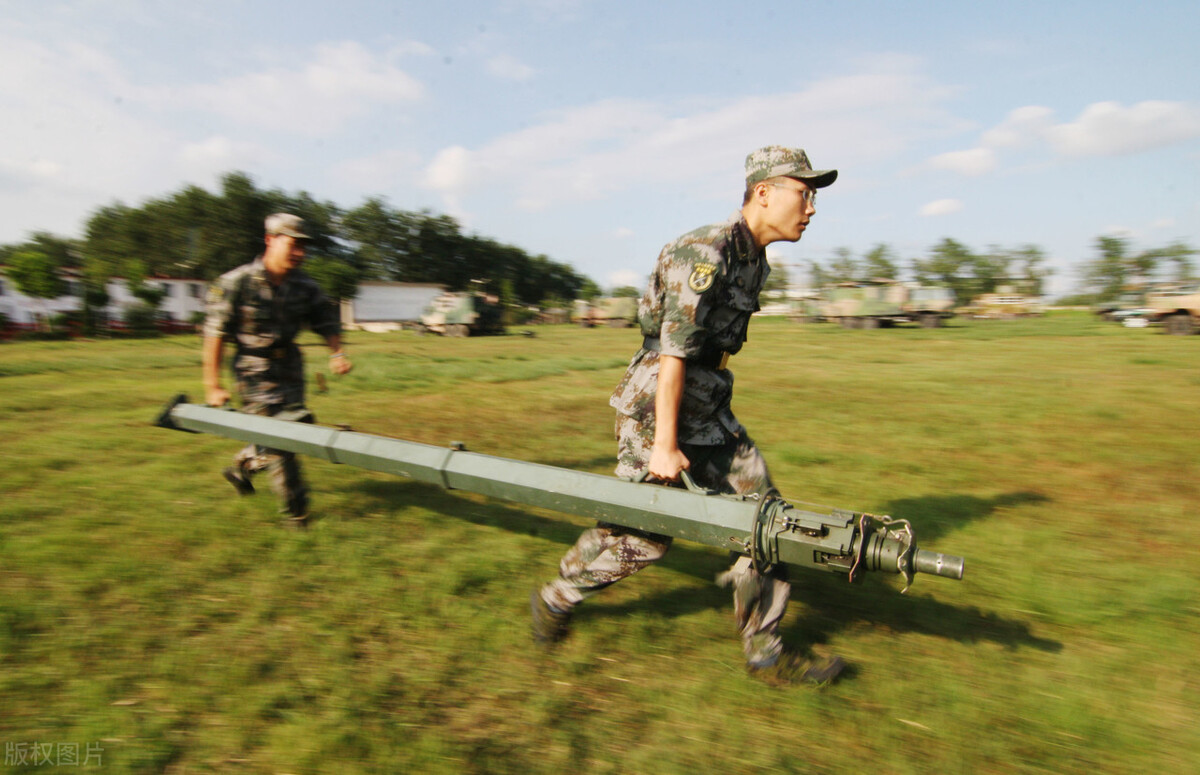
702,276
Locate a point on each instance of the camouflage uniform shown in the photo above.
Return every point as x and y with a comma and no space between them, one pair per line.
262,321
697,307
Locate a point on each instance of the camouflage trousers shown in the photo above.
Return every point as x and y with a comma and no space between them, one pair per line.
284,469
608,553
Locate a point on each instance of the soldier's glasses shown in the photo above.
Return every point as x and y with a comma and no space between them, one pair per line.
809,195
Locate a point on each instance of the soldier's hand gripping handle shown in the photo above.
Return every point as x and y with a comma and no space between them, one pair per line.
216,396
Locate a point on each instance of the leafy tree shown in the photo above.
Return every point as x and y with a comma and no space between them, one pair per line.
150,295
880,262
380,238
990,270
951,264
95,300
588,290
626,292
1178,254
195,233
1108,273
1027,265
337,278
36,275
817,276
842,267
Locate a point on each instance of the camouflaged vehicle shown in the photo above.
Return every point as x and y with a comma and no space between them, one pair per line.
1177,309
612,311
460,313
883,303
929,305
1003,305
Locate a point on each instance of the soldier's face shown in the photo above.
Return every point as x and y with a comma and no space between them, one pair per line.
284,251
791,205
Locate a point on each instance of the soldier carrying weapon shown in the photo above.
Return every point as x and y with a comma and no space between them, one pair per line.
674,414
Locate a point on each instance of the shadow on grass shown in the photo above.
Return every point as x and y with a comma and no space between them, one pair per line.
935,515
827,603
695,561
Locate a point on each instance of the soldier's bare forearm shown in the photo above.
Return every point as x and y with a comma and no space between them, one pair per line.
666,459
211,353
211,356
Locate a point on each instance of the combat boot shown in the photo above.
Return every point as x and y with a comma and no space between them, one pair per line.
237,477
791,669
549,624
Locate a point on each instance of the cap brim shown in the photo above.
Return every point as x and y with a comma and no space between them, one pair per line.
817,178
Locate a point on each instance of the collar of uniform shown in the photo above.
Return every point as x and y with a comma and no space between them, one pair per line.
258,269
744,248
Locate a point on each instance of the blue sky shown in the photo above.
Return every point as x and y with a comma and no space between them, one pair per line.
594,132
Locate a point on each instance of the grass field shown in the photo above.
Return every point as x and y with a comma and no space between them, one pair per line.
160,624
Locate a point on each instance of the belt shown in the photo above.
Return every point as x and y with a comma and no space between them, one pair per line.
712,359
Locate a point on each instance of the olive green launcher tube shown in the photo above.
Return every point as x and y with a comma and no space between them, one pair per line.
770,530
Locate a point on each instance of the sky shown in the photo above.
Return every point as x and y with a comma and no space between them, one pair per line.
596,131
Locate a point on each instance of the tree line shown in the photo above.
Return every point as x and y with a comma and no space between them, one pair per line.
1115,268
194,233
197,234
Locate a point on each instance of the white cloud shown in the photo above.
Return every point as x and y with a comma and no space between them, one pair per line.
73,135
623,232
509,68
1163,223
941,207
1102,129
450,169
1021,127
1110,129
585,152
338,82
976,161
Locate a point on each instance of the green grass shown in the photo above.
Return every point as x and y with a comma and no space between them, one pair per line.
146,609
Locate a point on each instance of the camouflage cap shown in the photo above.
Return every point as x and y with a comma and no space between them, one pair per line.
775,160
286,224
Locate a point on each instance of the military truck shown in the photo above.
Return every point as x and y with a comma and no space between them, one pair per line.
883,303
929,305
1005,304
1177,309
612,311
463,313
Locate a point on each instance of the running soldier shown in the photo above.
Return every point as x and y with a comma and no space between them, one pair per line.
674,414
260,307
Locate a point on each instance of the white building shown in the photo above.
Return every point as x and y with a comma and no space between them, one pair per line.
183,299
388,306
379,306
